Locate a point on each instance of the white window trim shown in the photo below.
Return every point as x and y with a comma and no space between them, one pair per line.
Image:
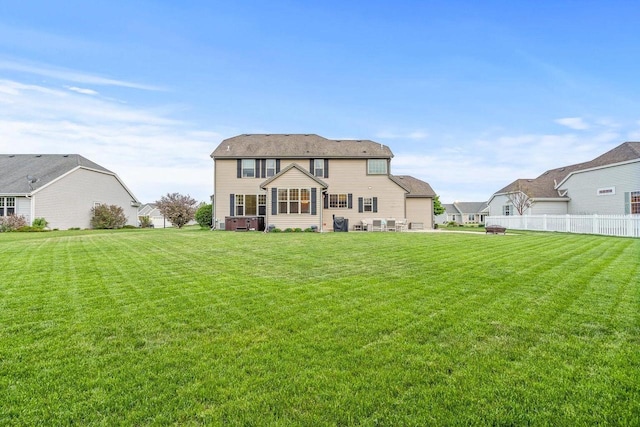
371,170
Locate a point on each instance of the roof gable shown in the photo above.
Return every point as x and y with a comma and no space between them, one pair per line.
25,173
298,146
546,185
293,166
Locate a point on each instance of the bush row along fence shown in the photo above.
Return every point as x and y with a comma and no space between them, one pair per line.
606,225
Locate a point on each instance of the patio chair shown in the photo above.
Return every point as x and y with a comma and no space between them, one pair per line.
401,225
376,225
391,225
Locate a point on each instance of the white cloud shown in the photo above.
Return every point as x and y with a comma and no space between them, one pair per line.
415,135
82,90
153,153
576,123
71,75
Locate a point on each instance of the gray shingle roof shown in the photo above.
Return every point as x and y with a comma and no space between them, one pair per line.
42,168
470,207
545,185
284,146
415,187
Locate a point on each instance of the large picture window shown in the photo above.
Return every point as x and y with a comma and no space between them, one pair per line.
249,205
377,166
7,206
294,200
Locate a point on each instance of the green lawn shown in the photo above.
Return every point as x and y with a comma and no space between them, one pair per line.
170,327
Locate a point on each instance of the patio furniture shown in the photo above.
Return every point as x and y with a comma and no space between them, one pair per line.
377,225
391,225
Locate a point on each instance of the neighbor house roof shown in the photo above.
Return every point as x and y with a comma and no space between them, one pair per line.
298,146
546,185
470,207
414,186
26,173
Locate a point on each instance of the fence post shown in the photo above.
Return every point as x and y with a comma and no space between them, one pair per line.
629,221
595,224
544,222
568,224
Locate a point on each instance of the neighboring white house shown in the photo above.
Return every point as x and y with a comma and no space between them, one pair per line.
606,185
463,213
61,188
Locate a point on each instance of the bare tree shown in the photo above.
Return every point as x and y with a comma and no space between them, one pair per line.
519,197
177,208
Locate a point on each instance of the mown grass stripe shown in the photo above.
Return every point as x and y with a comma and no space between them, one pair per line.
196,327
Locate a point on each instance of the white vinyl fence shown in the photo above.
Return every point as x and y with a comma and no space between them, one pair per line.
607,225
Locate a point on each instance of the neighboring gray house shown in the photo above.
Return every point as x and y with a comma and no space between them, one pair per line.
157,219
606,185
61,188
307,181
463,213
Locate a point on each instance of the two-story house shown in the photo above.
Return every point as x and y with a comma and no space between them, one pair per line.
306,181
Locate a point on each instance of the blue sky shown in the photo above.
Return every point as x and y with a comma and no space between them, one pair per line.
469,95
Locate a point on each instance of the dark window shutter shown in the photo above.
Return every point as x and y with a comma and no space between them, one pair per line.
360,205
232,204
326,168
375,204
264,168
326,201
239,168
311,169
627,203
350,201
277,165
274,201
258,164
313,201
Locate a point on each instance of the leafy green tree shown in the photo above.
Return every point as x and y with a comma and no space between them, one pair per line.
438,209
177,208
107,217
204,215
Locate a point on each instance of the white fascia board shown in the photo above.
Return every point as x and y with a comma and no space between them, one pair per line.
135,199
596,168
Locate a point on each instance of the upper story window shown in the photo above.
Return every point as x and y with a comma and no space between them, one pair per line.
270,167
377,166
318,167
507,210
7,206
248,168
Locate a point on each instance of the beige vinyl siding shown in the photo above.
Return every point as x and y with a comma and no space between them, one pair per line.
346,176
583,189
349,176
294,179
420,209
227,183
67,202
